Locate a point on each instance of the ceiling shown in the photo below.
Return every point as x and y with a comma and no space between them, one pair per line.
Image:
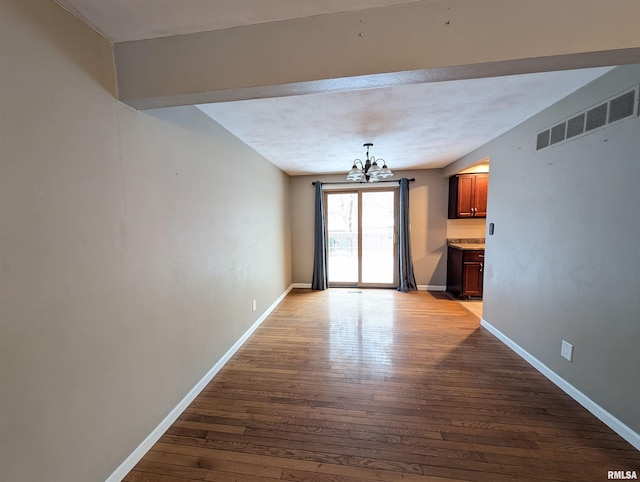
412,126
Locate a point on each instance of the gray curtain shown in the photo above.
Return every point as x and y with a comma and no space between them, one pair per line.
319,279
406,278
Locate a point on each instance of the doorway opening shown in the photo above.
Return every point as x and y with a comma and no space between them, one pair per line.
362,237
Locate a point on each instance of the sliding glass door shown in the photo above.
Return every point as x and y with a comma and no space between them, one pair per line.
378,238
343,233
361,232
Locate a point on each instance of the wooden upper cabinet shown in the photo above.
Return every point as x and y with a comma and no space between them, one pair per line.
468,195
465,197
480,195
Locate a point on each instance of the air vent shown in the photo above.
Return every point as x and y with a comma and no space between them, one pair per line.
596,117
558,132
610,110
575,126
622,106
543,139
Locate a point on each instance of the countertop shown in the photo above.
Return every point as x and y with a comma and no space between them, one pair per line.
466,244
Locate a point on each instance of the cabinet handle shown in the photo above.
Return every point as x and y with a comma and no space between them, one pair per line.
481,267
481,256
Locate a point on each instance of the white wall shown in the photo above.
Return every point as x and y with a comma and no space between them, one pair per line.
131,246
564,262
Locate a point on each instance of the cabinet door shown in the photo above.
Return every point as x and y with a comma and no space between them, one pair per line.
465,196
472,276
481,186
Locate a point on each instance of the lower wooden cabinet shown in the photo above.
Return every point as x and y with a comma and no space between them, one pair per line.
465,269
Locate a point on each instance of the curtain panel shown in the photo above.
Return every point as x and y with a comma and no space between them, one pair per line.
319,279
406,278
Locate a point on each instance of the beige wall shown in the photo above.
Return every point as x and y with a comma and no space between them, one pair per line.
131,246
427,209
466,228
563,263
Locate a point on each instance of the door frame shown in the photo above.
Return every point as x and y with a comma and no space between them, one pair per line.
359,191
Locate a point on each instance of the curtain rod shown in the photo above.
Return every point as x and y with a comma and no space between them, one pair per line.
313,183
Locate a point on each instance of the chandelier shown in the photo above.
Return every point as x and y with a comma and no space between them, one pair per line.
369,171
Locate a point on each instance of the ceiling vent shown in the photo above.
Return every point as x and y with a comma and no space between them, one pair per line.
613,109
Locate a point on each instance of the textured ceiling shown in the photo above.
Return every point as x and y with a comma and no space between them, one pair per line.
411,126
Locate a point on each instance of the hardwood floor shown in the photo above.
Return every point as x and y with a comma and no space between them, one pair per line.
474,306
376,385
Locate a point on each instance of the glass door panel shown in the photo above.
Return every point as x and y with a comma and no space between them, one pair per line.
378,237
342,238
361,233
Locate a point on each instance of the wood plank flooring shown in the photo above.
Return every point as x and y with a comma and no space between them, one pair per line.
376,385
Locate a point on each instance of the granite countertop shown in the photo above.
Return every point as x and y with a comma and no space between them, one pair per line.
466,243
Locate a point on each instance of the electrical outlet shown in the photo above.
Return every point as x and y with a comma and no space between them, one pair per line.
567,350
254,305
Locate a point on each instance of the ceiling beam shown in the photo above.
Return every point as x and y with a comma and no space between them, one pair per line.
423,41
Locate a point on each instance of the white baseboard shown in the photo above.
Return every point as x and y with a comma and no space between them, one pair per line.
612,422
301,285
130,462
420,287
431,288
